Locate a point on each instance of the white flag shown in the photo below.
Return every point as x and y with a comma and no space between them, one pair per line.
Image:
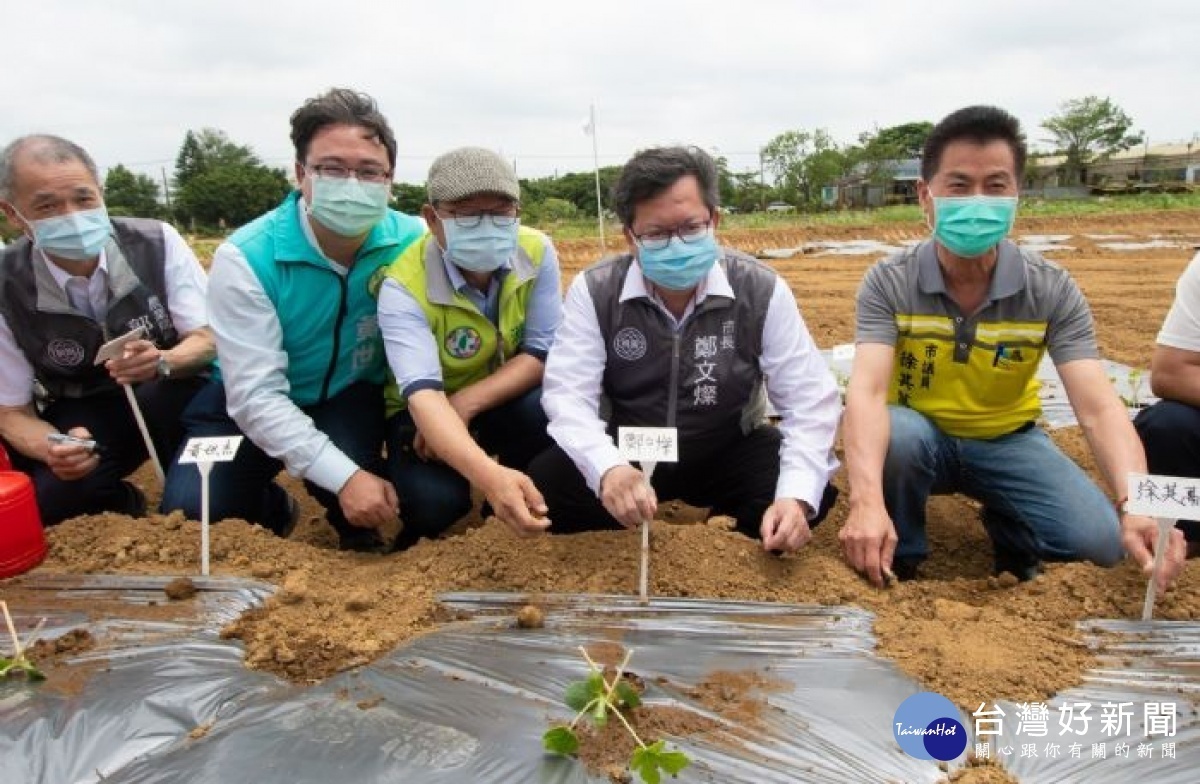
588,127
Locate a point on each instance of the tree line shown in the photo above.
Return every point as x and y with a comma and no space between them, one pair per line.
219,184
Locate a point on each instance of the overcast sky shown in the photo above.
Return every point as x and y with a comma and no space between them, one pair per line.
127,78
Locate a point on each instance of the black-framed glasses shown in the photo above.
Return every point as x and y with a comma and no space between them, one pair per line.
363,173
469,220
689,232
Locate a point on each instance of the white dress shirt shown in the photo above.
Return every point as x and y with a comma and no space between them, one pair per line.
799,385
254,370
186,292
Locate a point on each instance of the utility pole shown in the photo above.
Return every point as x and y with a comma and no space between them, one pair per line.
166,188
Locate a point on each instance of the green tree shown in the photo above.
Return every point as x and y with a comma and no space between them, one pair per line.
408,198
802,162
228,196
207,149
1090,128
126,193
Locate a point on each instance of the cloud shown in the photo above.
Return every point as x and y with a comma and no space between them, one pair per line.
128,78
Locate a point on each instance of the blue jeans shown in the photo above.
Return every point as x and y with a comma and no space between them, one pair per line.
1040,502
433,496
245,487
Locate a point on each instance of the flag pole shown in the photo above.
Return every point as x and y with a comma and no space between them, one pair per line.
596,169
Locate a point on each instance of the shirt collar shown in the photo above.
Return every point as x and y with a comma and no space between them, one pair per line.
716,283
1008,278
61,276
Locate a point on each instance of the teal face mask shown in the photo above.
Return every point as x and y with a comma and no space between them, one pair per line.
970,226
77,236
346,206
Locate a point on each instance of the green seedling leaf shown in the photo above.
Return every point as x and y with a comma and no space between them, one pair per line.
9,667
581,693
650,762
627,695
561,740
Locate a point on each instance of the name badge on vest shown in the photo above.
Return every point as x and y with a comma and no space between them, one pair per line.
630,344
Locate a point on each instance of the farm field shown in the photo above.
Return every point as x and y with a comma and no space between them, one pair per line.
958,631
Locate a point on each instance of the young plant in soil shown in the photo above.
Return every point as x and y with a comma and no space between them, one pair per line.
597,698
19,664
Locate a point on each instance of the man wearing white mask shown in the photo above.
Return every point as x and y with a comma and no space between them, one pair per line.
73,281
943,395
682,332
468,315
301,361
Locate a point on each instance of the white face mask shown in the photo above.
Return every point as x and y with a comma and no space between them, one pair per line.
482,248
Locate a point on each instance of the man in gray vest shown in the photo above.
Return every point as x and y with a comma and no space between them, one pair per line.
75,280
681,332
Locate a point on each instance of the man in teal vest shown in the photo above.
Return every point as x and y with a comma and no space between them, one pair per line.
468,314
301,361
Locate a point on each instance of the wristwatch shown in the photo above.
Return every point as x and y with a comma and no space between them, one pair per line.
164,367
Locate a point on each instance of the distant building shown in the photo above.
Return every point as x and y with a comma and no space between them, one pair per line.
1134,169
892,182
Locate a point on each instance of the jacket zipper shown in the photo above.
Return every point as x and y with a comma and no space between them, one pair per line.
337,339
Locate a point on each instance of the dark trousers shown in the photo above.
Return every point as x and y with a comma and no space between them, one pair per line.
433,496
110,420
738,481
1170,433
245,487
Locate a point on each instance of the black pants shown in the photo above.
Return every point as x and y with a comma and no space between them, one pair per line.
109,419
738,481
1170,433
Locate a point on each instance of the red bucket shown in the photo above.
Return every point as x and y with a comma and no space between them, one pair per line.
22,540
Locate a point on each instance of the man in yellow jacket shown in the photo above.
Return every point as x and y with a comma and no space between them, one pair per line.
468,314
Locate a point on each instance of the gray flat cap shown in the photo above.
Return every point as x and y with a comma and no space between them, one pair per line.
470,170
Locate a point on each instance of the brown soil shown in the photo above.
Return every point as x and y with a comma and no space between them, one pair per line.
957,631
50,653
179,589
607,749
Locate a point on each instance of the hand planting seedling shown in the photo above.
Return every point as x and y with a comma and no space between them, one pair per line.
597,698
19,664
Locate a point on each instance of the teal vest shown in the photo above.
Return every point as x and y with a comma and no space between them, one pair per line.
329,323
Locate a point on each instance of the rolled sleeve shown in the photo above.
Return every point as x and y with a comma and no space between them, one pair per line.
802,389
545,306
254,370
412,351
571,388
187,285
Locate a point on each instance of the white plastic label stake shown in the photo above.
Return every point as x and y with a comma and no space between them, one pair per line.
115,349
844,351
648,444
205,452
1167,499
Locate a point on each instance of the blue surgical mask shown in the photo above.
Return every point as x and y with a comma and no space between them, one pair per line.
680,265
482,248
346,206
78,236
970,226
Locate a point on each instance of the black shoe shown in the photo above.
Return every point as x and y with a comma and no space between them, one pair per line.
293,516
135,506
906,567
1023,566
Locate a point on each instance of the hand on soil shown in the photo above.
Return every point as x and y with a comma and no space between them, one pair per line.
785,526
1140,535
368,501
627,496
71,461
868,540
516,501
138,364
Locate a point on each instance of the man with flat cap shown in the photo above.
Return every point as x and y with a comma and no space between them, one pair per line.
468,314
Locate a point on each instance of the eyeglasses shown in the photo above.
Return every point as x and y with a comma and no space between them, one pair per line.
500,220
690,232
365,173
